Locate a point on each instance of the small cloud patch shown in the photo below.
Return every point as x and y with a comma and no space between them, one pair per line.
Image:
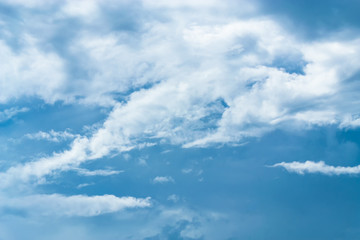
165,179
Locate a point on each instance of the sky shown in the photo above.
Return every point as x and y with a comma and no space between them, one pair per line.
179,119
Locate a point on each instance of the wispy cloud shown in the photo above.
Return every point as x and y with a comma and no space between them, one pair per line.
186,170
11,112
52,136
173,197
318,167
163,179
82,185
99,172
76,205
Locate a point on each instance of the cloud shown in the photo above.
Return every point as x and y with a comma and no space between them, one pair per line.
184,223
158,222
52,136
187,73
163,179
350,121
30,72
173,198
318,167
99,172
186,170
195,80
76,205
82,185
36,170
30,3
10,113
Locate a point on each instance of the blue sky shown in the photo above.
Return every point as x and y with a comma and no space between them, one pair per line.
179,119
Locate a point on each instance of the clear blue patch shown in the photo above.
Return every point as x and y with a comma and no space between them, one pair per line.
290,63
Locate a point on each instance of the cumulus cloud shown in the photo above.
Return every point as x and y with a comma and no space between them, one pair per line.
318,167
163,179
76,205
10,113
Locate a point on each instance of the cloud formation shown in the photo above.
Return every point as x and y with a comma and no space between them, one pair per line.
163,179
52,136
188,78
7,114
318,167
99,172
76,205
161,74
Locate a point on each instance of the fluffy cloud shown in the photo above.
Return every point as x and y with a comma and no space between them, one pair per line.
318,167
30,72
76,205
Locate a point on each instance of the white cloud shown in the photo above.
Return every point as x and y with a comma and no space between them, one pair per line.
174,108
142,162
76,205
318,167
99,172
30,3
31,72
163,179
208,80
194,47
186,170
36,170
10,113
52,136
173,197
86,9
350,121
82,185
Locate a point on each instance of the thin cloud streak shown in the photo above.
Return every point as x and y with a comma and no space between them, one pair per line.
310,167
75,205
7,114
98,172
